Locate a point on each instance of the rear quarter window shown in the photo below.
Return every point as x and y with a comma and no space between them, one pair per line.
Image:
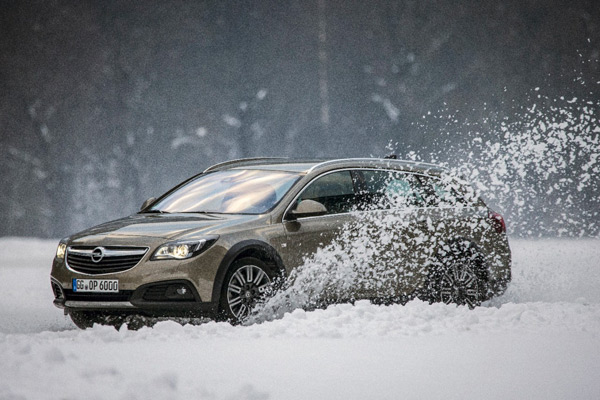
444,192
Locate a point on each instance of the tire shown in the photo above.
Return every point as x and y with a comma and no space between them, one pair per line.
84,319
248,281
87,319
460,276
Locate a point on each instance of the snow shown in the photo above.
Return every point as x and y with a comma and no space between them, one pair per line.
548,145
232,121
539,341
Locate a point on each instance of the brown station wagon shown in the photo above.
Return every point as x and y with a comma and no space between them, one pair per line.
213,245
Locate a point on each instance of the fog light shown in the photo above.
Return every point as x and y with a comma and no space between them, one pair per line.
179,291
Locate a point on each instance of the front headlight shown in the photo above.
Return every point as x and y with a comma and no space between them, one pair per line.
60,250
183,249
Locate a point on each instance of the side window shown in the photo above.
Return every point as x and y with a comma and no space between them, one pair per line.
388,189
334,190
442,193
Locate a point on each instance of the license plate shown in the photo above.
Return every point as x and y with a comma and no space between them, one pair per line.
96,285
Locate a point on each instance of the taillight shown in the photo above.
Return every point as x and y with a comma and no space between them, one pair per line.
497,221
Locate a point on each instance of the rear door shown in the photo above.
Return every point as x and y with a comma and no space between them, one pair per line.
393,208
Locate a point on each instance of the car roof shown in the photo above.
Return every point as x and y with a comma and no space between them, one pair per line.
307,166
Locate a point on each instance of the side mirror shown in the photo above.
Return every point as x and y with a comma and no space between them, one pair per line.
307,208
147,203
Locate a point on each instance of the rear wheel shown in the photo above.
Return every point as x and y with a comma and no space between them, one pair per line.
460,277
458,284
247,282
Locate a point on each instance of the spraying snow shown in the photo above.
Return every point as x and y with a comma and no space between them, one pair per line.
537,165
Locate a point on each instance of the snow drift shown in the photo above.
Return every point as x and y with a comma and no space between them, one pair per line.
538,341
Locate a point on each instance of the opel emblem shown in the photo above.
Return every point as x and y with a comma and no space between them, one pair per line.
98,254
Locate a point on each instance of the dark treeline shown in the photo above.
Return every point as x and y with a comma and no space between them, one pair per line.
105,103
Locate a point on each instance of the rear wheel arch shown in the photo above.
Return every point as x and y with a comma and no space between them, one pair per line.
463,247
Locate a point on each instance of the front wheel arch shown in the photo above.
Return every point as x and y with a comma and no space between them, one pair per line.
262,275
249,248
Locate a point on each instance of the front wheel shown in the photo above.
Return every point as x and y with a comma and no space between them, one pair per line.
247,282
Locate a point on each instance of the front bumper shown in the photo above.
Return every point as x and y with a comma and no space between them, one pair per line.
150,287
158,298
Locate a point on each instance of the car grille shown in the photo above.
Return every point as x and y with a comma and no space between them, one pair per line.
104,260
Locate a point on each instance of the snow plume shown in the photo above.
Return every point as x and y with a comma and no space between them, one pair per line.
538,166
376,256
359,263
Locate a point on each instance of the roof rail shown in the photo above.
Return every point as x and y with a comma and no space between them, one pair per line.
339,160
374,159
423,163
241,161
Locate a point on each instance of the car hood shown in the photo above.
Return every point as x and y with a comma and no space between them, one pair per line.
161,226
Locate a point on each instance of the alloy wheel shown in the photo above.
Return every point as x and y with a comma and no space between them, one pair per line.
459,285
246,286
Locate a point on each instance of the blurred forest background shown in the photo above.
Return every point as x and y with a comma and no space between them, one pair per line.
106,103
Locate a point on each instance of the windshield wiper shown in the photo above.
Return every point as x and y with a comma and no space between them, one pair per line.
202,212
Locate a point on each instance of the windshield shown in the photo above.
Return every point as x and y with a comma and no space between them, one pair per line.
229,192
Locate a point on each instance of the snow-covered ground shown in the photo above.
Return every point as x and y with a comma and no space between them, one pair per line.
541,340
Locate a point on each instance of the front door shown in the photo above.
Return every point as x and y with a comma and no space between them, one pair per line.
304,236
